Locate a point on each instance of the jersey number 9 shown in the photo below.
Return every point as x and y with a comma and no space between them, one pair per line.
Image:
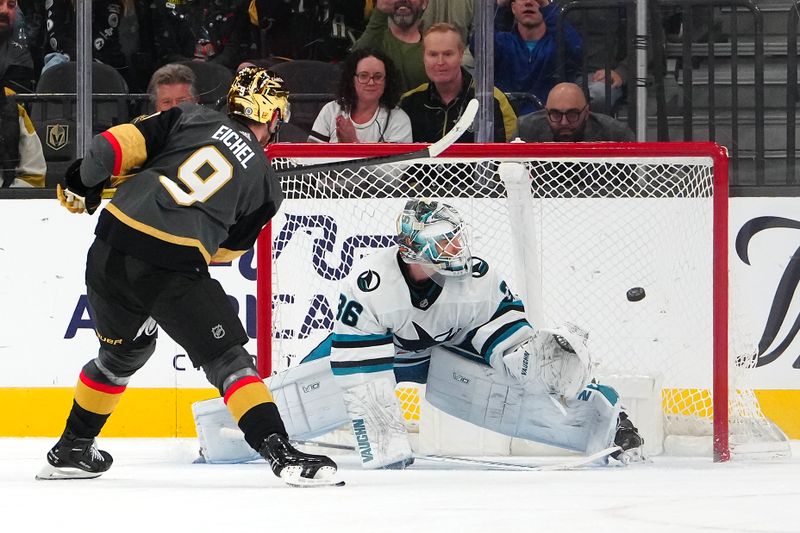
200,189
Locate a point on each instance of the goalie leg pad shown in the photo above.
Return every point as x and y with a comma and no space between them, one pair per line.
220,439
381,436
308,399
493,400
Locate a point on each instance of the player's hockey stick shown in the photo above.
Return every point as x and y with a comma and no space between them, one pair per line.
433,150
486,463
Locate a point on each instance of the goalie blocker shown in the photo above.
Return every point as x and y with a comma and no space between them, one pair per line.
311,404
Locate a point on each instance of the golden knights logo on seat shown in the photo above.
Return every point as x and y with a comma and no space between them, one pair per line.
57,136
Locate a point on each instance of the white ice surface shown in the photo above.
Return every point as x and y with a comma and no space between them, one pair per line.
154,487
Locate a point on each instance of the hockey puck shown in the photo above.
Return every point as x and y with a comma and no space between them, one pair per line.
635,294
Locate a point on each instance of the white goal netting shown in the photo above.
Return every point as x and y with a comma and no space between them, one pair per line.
598,219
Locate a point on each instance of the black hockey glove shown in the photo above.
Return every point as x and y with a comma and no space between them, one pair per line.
75,196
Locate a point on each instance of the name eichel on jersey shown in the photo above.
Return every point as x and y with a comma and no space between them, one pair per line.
233,140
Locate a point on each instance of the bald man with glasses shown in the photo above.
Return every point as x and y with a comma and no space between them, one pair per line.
567,118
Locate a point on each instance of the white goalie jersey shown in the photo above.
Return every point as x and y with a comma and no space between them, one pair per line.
386,325
390,330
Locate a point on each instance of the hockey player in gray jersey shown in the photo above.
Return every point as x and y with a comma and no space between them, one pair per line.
426,310
193,186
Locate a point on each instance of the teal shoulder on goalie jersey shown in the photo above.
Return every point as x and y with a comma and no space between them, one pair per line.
609,393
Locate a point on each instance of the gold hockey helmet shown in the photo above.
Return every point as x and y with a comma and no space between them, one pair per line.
256,93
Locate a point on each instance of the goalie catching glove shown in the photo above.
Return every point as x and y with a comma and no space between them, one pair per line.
75,196
558,357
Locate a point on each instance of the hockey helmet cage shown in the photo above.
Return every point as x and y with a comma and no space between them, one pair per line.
256,93
433,233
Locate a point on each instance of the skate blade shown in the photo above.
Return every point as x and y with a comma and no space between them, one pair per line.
50,472
633,456
323,478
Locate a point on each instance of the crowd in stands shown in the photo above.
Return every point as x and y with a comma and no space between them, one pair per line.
406,66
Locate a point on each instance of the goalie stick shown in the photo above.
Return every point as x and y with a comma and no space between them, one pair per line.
487,463
433,150
502,465
572,464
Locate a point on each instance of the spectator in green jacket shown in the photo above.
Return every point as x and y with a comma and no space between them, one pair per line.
395,29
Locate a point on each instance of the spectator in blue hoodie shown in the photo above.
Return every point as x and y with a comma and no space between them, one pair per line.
526,59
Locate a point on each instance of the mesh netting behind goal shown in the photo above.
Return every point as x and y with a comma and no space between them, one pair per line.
597,219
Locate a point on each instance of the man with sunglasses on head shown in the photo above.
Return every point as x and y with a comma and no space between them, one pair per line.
567,118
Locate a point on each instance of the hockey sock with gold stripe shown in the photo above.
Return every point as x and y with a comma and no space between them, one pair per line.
252,407
96,396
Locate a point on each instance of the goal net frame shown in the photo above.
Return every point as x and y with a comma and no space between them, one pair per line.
522,152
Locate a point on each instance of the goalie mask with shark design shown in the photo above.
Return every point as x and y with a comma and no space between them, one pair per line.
433,234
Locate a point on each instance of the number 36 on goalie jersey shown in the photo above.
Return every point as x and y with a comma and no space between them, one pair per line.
386,328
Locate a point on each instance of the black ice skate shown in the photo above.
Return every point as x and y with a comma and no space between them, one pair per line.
295,467
629,440
75,458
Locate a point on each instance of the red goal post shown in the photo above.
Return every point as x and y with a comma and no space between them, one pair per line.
586,196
